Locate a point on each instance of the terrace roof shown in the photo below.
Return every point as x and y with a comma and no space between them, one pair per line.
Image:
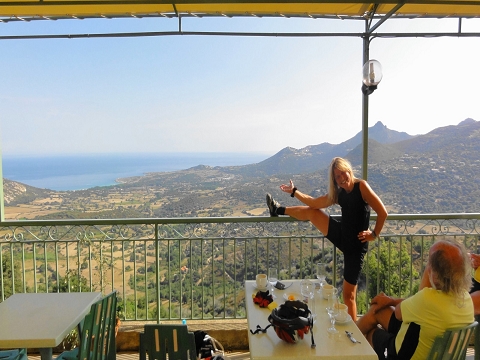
13,10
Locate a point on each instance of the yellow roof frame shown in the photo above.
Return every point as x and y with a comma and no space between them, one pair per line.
57,9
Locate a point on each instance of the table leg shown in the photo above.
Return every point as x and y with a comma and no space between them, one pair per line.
46,353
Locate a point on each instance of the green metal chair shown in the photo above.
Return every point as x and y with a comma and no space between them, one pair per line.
452,345
16,354
477,340
158,340
97,337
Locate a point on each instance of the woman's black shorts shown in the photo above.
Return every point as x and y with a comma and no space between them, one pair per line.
353,254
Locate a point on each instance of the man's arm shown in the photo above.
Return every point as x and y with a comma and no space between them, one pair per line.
476,302
382,301
425,281
398,312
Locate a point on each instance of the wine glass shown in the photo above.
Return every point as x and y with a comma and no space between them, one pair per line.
332,309
321,274
272,277
306,289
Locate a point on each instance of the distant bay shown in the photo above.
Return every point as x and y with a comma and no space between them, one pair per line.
76,172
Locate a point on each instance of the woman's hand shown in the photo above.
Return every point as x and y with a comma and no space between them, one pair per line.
287,188
365,236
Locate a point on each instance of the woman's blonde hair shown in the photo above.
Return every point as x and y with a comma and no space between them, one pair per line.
342,165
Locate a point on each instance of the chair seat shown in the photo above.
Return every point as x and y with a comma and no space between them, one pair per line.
69,355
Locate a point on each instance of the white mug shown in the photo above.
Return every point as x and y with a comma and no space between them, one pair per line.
262,281
328,289
342,312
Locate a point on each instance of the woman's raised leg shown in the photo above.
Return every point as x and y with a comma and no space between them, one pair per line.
317,217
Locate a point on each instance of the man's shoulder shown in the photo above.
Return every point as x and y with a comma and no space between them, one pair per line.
424,297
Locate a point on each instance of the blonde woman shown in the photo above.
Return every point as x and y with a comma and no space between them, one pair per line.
351,233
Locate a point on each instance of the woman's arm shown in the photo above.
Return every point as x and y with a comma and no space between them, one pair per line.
372,199
315,203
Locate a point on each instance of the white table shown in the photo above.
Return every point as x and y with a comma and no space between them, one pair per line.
42,321
270,346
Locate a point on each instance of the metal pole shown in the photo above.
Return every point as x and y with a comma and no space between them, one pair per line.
366,55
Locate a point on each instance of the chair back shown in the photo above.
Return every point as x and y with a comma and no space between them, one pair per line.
452,345
158,340
16,354
98,334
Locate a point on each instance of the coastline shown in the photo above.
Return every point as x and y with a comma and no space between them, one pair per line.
80,172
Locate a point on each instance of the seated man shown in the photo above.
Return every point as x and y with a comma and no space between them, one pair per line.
475,290
409,326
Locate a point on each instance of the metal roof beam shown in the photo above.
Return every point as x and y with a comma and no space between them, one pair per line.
243,34
385,18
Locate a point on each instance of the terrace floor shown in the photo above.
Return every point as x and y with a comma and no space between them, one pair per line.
234,355
223,330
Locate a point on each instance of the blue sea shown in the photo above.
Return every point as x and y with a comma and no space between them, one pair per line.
78,172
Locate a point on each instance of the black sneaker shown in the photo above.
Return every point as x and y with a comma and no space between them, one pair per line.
273,205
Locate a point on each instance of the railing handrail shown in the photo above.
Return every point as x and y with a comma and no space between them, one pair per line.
232,219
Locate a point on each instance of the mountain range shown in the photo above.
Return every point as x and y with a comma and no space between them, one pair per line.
432,173
435,172
314,157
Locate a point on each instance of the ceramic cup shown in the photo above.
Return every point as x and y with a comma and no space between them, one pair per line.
328,289
262,281
342,312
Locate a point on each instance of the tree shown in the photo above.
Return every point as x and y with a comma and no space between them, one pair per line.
71,282
12,274
389,269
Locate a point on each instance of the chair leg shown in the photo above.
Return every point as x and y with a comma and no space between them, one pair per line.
141,350
112,354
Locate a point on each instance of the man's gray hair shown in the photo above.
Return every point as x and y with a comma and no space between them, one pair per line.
451,267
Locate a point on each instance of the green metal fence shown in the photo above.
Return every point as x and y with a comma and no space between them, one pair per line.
195,268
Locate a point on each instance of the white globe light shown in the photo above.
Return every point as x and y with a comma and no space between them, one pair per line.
372,73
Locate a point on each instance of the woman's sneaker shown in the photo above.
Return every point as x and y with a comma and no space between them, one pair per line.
273,205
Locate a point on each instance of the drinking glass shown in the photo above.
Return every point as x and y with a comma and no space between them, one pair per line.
306,289
321,274
332,309
272,276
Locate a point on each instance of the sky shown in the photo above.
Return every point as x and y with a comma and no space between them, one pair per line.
224,94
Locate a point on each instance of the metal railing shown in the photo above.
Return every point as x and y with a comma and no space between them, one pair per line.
195,268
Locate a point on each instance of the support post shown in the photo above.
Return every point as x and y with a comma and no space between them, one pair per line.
366,55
